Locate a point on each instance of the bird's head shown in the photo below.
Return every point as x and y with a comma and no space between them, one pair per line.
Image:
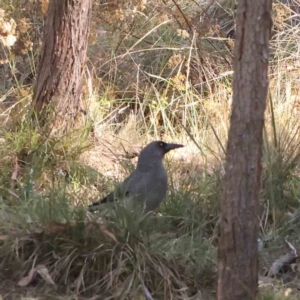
155,152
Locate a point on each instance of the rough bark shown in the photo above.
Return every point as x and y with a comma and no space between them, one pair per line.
63,56
238,253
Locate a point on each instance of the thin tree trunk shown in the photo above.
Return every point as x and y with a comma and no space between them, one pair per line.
238,253
63,56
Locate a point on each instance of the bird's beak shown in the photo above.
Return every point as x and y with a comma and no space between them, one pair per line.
173,146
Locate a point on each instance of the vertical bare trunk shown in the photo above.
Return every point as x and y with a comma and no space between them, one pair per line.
63,56
238,254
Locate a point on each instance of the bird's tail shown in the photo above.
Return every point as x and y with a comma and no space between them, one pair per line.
97,204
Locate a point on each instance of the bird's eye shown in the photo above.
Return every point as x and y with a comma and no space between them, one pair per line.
161,144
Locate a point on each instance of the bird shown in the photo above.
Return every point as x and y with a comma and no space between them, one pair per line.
147,185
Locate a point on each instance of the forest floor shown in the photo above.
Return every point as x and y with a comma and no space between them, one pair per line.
160,88
44,226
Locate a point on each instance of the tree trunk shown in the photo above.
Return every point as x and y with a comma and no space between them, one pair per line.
63,56
238,253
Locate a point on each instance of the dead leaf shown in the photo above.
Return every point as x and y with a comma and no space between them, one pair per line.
13,194
285,263
291,248
56,227
266,281
107,232
44,273
27,279
41,270
288,292
3,238
14,175
44,6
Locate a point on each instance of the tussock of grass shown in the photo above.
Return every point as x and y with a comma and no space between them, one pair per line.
120,257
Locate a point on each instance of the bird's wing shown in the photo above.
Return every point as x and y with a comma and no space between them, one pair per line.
136,184
139,188
123,190
146,188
